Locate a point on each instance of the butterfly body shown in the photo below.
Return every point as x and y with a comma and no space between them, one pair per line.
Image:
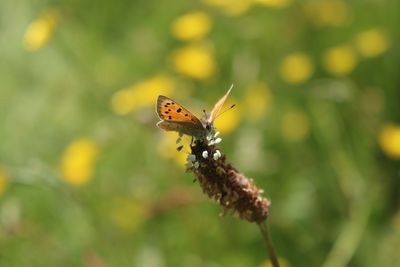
174,117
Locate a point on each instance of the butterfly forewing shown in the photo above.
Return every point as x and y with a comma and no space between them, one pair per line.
176,118
217,107
169,110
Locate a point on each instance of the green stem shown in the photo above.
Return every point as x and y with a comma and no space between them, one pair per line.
268,242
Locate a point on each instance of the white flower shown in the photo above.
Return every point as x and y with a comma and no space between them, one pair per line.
216,134
209,137
211,143
196,164
191,157
218,140
216,155
205,154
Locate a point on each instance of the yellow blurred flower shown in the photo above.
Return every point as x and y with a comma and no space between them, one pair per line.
296,68
3,180
78,161
230,119
295,126
340,60
129,214
40,31
195,61
389,140
192,26
372,43
168,148
257,101
231,7
274,3
328,12
141,94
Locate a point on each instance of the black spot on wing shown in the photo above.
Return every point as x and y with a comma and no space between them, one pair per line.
169,117
179,110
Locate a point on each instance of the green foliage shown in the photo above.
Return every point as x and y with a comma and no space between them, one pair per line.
87,179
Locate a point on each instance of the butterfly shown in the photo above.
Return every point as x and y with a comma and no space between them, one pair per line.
174,117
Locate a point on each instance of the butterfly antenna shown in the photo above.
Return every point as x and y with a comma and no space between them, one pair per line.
230,88
231,107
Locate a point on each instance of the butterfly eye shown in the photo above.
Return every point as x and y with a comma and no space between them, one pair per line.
208,127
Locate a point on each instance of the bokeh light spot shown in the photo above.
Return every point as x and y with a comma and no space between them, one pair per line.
296,68
340,60
372,43
389,140
232,8
274,3
40,31
78,161
328,13
191,26
141,94
195,61
257,101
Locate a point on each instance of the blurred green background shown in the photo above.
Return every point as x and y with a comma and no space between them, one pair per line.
86,179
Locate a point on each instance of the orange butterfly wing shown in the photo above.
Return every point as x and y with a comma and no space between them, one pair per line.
217,107
174,117
169,110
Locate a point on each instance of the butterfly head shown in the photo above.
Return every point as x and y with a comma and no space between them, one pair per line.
209,127
208,119
208,124
209,130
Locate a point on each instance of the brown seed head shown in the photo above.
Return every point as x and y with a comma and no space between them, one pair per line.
231,189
